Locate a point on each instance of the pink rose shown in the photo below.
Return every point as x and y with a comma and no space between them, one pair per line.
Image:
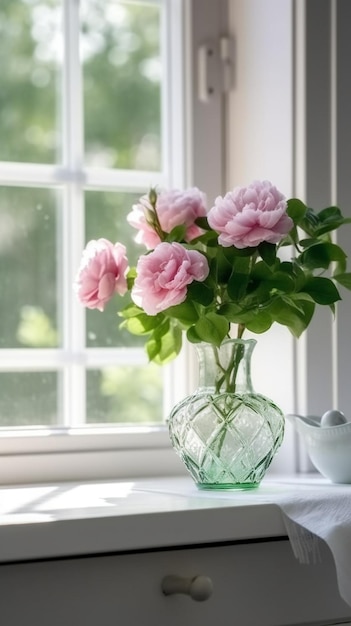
249,215
101,273
173,208
164,274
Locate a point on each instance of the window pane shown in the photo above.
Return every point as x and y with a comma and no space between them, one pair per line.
27,268
28,398
29,52
120,49
105,216
109,396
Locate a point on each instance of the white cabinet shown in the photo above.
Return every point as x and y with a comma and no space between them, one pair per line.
257,583
95,554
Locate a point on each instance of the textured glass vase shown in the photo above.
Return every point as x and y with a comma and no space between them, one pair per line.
225,433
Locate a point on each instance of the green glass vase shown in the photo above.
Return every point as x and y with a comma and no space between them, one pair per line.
225,433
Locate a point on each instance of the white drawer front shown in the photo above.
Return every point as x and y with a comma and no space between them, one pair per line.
258,584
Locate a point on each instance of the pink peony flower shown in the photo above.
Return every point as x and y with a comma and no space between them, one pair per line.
247,216
164,274
173,208
101,273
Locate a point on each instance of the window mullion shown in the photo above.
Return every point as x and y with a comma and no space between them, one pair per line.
123,180
30,174
72,233
72,117
173,99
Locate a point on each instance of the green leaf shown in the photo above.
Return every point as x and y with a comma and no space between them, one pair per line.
330,219
296,210
212,328
162,329
200,292
309,222
192,335
294,271
299,275
306,243
321,255
286,314
236,315
327,220
143,324
268,252
153,347
239,278
231,252
322,290
282,281
242,265
261,271
257,293
229,311
287,267
344,279
260,322
222,267
294,303
131,276
131,310
202,222
301,295
237,285
259,285
177,233
291,238
330,214
208,238
165,344
132,272
185,312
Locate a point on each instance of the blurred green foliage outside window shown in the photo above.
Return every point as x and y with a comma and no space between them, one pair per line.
121,92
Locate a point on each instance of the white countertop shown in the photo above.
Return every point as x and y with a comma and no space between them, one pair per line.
69,519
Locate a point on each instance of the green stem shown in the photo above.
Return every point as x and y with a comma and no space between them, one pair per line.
227,381
157,226
241,330
218,381
155,222
238,355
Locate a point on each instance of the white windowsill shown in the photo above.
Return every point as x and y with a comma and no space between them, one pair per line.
72,519
35,455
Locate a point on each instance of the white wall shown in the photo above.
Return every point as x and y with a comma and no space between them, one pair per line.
260,116
260,146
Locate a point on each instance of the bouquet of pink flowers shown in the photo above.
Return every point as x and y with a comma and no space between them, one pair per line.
204,270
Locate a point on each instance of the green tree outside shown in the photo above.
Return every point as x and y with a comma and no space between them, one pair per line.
122,97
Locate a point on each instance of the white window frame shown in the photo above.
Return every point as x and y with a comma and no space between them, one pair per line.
307,376
323,151
66,453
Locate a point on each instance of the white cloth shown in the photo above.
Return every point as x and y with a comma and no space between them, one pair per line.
322,511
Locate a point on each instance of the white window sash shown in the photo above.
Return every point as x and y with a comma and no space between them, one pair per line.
73,451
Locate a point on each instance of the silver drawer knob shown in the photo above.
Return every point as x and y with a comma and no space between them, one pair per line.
199,588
